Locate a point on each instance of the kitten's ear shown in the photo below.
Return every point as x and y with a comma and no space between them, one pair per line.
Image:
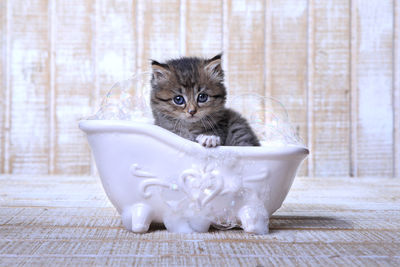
160,71
214,69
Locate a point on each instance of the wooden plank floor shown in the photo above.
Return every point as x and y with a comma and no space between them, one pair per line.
63,220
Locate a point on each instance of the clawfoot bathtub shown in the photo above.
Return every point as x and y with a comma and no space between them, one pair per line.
153,175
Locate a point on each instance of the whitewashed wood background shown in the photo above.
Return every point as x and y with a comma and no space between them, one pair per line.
333,63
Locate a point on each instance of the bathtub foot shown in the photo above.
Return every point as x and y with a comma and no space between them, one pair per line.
137,218
253,221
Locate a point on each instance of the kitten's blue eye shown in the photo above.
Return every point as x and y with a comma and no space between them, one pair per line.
179,100
201,98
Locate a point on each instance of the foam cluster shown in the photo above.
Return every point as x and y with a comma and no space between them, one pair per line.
129,100
267,117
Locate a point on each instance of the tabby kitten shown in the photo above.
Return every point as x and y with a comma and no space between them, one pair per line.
188,98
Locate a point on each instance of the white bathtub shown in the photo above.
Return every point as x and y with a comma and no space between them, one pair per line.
153,175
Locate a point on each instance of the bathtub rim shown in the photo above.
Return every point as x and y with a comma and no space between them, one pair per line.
157,132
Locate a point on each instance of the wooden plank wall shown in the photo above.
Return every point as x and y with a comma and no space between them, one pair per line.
330,91
334,64
28,87
374,79
4,86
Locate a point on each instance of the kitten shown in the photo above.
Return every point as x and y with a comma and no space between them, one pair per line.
188,98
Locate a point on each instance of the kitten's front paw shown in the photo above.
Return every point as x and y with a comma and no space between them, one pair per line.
208,140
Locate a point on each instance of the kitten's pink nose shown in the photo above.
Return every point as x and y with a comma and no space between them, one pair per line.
192,111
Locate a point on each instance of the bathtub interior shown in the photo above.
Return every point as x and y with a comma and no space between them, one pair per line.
153,175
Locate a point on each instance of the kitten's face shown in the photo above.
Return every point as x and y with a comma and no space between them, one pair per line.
188,89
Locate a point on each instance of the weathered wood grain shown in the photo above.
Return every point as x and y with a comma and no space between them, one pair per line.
323,221
375,84
28,86
396,87
74,83
203,28
4,83
244,47
51,10
331,85
195,260
158,31
353,89
115,43
375,88
288,62
310,85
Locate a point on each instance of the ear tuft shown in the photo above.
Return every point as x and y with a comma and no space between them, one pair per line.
160,70
214,69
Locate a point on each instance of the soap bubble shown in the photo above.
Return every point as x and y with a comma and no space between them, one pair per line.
225,220
127,100
130,100
267,117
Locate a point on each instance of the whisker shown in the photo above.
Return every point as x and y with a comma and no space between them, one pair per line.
211,124
202,122
180,128
176,124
